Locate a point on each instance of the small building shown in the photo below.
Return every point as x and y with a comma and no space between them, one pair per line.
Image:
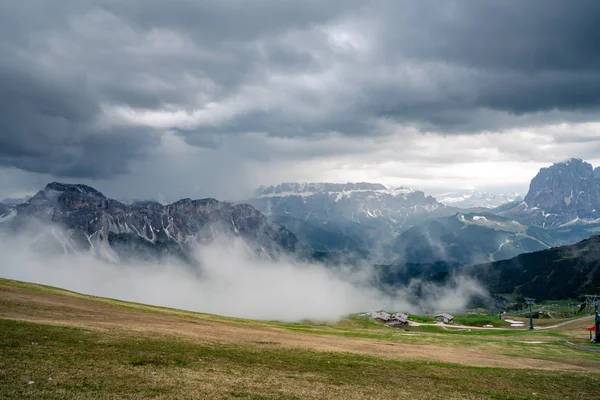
445,318
383,316
400,316
398,319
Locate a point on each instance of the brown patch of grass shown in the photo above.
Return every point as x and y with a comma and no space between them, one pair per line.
70,309
96,364
157,361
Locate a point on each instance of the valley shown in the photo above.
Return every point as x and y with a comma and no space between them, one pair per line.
401,225
403,233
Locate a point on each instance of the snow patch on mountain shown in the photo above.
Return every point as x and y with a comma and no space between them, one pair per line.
341,189
7,217
325,203
472,199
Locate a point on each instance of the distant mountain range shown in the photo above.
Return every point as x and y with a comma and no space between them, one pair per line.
340,223
10,201
331,202
363,215
116,231
402,225
476,199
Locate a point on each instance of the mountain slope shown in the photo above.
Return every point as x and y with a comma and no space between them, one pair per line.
463,238
4,210
114,230
6,213
356,202
367,213
557,273
316,237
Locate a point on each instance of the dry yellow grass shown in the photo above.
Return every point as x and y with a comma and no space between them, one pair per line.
83,311
101,348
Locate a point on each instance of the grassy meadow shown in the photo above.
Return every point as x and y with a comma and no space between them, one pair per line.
56,344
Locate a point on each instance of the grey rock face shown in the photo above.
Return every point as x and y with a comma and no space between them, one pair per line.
330,202
567,192
5,212
115,230
357,217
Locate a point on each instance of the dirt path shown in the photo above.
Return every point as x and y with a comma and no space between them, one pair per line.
590,317
454,326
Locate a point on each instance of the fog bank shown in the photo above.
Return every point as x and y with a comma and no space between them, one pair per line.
231,281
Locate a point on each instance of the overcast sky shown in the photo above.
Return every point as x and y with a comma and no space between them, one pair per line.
197,98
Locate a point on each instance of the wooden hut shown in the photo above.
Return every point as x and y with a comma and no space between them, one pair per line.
445,318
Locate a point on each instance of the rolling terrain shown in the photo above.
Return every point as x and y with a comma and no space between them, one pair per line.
59,344
558,273
463,238
565,272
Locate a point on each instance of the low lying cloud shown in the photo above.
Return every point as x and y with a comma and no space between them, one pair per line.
231,281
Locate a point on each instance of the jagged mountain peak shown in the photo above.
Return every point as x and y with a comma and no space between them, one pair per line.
564,193
73,188
558,185
575,165
66,195
112,229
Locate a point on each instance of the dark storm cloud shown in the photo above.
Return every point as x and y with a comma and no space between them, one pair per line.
206,69
47,126
532,36
230,20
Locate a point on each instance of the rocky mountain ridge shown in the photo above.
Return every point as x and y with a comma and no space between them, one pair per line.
564,194
113,230
325,202
366,215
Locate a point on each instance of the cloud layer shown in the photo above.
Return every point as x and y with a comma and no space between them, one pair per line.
388,90
231,281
